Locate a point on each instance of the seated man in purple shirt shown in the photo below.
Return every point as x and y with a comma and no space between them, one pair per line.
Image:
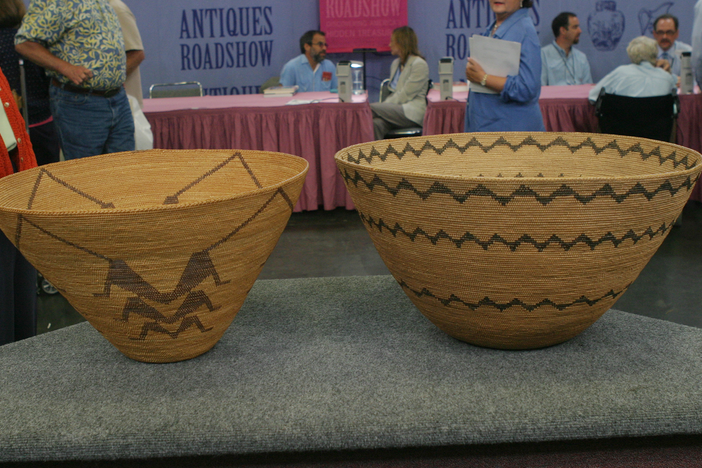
310,71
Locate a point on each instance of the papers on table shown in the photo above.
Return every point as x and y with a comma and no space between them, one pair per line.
297,102
497,57
280,91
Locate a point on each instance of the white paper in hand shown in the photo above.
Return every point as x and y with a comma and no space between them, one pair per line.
497,57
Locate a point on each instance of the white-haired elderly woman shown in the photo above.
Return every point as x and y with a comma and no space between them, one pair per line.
641,78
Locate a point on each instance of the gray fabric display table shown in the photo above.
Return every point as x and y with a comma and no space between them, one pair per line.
336,365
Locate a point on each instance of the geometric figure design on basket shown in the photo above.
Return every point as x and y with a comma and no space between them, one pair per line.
193,301
486,301
199,267
157,249
44,172
525,239
528,142
40,176
173,199
170,200
564,191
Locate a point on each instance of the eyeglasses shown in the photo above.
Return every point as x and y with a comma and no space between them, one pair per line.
664,33
320,44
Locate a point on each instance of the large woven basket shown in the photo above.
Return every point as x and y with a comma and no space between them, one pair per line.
156,249
517,240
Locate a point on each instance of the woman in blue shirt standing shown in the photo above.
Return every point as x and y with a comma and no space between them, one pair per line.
515,107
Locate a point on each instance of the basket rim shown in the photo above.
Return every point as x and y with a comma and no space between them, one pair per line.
338,157
178,206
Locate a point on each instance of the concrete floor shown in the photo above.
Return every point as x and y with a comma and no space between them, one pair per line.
335,243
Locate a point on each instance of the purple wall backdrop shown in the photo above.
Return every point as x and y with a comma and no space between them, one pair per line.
233,46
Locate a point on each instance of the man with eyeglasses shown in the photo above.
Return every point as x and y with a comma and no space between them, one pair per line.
561,63
310,71
665,32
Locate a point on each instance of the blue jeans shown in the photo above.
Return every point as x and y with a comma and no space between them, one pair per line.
89,125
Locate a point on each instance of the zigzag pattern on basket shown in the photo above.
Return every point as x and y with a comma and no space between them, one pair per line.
529,141
480,190
525,239
486,301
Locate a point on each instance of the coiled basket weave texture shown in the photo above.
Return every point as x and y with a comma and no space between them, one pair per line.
517,240
156,249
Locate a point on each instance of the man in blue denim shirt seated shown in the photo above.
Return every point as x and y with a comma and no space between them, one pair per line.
80,44
561,63
310,71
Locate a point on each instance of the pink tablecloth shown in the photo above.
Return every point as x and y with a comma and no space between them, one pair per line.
566,109
314,131
444,116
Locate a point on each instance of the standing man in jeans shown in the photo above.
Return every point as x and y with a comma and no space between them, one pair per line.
80,44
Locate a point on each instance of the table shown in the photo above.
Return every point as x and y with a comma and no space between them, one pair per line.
565,109
445,116
315,130
346,372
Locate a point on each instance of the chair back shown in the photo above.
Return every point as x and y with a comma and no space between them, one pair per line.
384,90
646,117
182,89
407,131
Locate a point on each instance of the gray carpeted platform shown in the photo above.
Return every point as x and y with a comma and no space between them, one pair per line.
342,364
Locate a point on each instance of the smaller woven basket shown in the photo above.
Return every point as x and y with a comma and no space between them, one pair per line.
517,240
156,249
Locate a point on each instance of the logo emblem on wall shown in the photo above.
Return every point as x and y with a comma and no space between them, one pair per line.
606,25
647,17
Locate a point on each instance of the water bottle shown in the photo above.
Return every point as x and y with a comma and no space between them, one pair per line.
686,81
357,71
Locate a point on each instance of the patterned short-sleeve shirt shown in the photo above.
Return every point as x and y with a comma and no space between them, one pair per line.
81,32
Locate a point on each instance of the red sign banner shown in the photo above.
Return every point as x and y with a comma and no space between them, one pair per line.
360,24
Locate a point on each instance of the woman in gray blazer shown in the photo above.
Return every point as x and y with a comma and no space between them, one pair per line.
409,79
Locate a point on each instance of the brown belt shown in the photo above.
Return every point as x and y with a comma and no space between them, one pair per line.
76,89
